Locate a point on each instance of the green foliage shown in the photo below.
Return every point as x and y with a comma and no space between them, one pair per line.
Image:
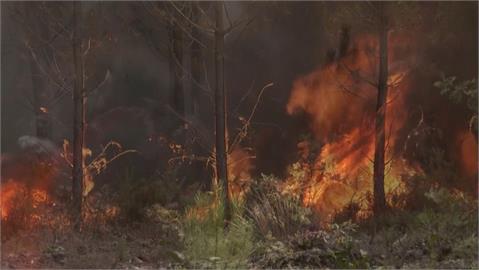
464,92
442,235
334,248
459,92
273,213
297,172
438,172
207,243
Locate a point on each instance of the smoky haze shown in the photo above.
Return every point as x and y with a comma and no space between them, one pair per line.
278,43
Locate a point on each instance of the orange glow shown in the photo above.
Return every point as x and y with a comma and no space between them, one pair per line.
341,98
239,169
468,152
7,193
13,190
31,178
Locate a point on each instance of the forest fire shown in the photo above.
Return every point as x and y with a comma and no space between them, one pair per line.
26,179
231,134
8,192
467,145
14,193
239,171
341,98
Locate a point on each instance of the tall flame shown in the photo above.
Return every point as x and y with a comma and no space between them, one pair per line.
341,98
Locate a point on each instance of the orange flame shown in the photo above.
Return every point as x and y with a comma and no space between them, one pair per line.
467,145
13,190
239,169
341,98
7,193
27,180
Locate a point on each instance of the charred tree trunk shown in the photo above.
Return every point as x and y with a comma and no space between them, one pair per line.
380,131
79,101
220,113
176,69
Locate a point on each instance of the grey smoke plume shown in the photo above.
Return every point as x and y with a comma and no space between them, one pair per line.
36,145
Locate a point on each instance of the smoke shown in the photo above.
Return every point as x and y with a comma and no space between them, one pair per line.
284,41
37,145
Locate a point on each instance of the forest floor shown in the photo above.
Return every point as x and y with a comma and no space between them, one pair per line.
143,245
153,245
271,232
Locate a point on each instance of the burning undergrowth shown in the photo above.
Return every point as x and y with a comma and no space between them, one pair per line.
335,169
36,188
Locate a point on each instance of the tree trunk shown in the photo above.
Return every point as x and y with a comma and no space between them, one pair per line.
79,102
380,131
176,69
220,113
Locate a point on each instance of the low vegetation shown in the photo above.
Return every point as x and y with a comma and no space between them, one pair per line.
271,233
208,242
434,228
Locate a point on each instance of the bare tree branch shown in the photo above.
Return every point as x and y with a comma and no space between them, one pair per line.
244,129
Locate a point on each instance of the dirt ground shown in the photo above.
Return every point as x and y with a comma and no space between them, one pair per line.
143,245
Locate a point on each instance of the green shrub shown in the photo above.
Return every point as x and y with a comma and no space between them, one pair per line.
464,92
207,243
333,248
273,213
441,235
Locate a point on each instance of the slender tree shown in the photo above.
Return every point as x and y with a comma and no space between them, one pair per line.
380,130
79,102
188,21
55,39
378,18
220,112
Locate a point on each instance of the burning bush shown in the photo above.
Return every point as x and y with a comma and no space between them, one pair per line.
25,208
340,99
